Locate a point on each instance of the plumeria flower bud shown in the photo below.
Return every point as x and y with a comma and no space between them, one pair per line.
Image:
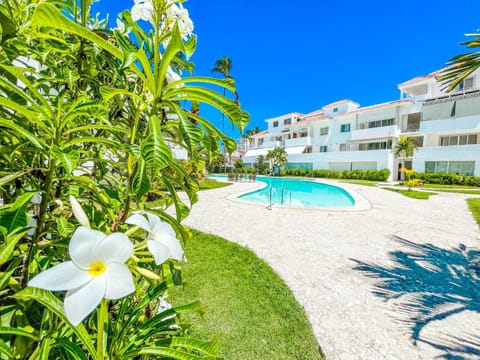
79,213
97,270
162,241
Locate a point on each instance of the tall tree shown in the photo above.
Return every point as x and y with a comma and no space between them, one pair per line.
224,67
462,65
404,149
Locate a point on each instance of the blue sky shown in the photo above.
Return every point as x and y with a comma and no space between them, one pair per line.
298,56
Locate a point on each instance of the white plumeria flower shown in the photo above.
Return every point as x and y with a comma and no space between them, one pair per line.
172,75
120,25
162,241
97,270
78,212
143,10
176,12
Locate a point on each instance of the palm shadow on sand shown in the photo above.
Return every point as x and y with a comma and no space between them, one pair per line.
428,283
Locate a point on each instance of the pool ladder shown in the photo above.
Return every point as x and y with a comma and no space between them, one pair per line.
284,194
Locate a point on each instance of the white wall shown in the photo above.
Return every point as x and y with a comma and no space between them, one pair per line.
447,153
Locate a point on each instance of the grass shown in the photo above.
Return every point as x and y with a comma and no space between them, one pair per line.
421,195
444,186
360,182
474,205
461,191
249,308
207,184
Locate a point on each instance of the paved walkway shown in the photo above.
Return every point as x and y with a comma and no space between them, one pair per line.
396,280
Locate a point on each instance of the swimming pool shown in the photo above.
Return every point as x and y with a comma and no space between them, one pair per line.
299,192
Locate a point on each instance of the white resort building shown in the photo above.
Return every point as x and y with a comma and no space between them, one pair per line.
345,136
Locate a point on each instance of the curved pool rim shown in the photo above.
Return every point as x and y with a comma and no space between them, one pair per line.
361,203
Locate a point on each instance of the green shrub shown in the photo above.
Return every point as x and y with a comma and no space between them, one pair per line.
376,175
448,179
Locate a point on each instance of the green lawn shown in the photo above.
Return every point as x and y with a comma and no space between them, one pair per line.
249,308
443,186
474,205
207,184
422,195
461,191
360,182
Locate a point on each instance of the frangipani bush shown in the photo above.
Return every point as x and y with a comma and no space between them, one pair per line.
88,118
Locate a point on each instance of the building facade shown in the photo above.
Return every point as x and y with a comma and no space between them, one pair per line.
345,136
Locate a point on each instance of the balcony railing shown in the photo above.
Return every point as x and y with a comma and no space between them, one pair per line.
375,133
302,141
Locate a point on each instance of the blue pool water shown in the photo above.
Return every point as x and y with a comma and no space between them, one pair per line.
298,192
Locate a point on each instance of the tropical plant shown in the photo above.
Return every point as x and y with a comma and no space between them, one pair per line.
88,118
278,156
405,147
260,164
224,67
250,132
238,164
461,66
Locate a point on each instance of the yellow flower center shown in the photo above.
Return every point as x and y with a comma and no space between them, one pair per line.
97,268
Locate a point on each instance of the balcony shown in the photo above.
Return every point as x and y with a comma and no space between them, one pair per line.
410,128
270,144
375,133
301,141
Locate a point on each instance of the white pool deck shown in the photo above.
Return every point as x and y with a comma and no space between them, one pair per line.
327,258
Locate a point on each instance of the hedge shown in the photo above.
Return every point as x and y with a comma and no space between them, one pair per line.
447,179
376,175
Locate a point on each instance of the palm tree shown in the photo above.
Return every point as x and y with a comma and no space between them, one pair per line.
224,66
249,133
462,65
404,148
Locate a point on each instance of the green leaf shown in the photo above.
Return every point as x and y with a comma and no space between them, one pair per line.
7,274
9,28
18,332
155,152
141,182
171,353
175,45
71,348
45,347
108,93
192,134
227,83
15,215
21,132
5,350
205,347
182,210
47,15
65,229
10,177
68,159
54,305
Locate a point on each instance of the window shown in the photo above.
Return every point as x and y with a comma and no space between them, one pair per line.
323,148
455,167
466,84
382,145
453,140
345,128
275,124
324,131
335,109
287,121
343,147
260,142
